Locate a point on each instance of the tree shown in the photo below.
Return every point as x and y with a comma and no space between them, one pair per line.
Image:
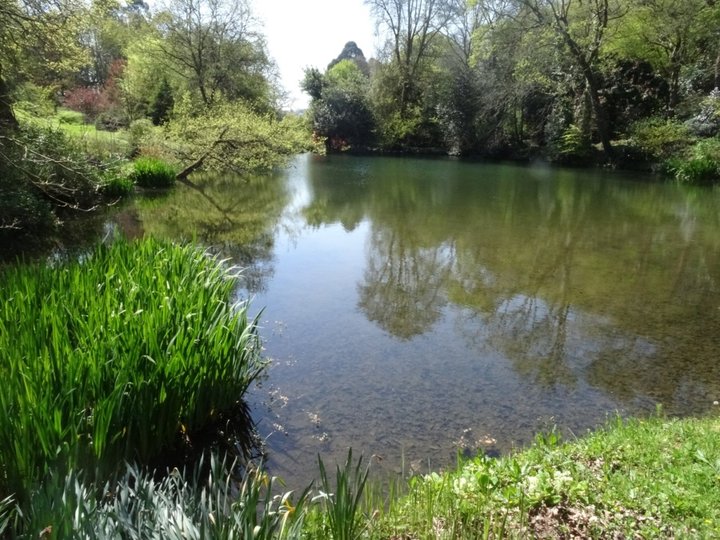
38,41
670,36
353,53
412,27
340,108
461,101
211,44
162,105
581,31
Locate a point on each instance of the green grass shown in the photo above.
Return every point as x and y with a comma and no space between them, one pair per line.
95,142
341,500
109,358
657,478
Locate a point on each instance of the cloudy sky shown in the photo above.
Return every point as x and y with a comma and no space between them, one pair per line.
310,33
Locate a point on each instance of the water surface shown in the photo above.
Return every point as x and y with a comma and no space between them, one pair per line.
414,308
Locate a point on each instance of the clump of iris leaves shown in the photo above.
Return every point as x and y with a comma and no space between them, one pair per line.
110,360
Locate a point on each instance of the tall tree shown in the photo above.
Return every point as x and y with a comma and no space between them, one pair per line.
340,108
212,44
581,27
671,36
412,26
460,106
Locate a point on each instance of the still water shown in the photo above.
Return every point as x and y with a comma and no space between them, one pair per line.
417,308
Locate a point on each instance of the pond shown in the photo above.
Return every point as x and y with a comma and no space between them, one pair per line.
417,308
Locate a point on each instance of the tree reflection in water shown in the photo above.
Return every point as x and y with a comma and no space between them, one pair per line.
576,280
237,216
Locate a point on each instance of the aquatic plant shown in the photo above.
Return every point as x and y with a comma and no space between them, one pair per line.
152,172
208,501
114,357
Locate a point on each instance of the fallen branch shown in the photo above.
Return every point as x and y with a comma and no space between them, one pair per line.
187,171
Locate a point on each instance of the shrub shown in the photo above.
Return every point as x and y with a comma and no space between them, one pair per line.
111,120
696,170
701,167
89,101
69,117
162,105
151,172
573,144
660,139
138,131
706,122
35,100
46,166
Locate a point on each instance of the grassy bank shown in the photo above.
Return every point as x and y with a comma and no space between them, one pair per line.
657,478
115,357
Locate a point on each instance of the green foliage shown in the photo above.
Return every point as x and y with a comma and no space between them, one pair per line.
6,513
342,500
660,139
706,123
43,173
138,132
228,136
648,479
152,173
162,105
144,69
574,144
313,83
695,170
700,164
68,117
110,357
342,111
216,54
34,100
117,185
653,478
111,120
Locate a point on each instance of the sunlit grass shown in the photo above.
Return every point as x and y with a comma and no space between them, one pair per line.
655,478
108,358
93,141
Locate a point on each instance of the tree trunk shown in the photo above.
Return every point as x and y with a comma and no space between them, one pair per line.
7,117
601,117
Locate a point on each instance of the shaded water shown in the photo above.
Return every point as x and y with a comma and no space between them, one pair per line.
414,308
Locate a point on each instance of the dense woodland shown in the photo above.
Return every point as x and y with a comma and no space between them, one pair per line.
190,83
625,79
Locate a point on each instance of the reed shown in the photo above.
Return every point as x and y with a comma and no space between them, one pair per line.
109,358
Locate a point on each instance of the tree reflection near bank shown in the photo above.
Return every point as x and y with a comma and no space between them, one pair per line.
236,216
576,280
